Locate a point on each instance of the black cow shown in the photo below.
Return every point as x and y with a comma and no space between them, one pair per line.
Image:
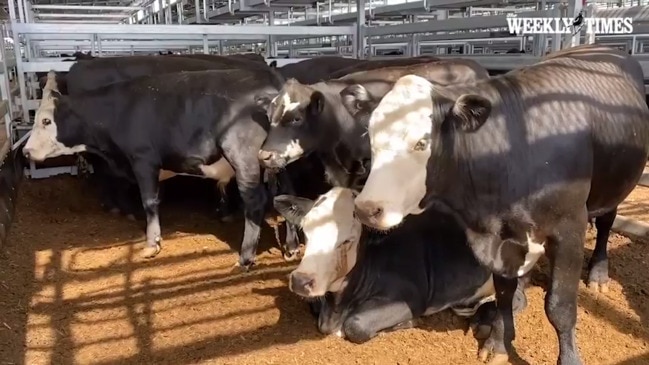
374,282
521,159
315,69
323,119
88,75
205,124
380,64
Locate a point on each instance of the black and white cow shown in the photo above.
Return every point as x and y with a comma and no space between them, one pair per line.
372,282
321,118
89,75
522,160
187,123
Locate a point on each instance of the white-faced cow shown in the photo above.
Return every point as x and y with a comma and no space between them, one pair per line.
186,123
369,282
522,159
309,119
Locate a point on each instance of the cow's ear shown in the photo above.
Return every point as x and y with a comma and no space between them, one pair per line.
292,208
470,112
317,103
273,64
355,98
263,99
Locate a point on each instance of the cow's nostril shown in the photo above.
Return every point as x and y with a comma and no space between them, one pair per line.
265,155
375,212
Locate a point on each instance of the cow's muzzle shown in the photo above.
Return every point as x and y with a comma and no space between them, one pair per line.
301,283
271,160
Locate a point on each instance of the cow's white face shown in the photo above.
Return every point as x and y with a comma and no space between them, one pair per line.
43,142
400,135
332,234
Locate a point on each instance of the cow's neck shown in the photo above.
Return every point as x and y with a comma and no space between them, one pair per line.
457,159
92,131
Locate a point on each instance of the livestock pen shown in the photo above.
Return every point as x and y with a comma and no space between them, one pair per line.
73,289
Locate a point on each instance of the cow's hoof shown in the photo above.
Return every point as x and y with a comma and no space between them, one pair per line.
598,277
488,348
481,331
151,251
130,217
598,287
240,267
499,359
292,255
114,210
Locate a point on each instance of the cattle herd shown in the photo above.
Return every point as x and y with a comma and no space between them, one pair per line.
419,184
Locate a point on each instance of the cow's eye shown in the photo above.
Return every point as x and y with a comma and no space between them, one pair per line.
346,242
296,119
421,145
47,121
358,105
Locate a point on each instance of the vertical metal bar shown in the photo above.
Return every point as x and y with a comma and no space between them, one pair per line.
179,10
19,62
205,11
360,29
197,8
206,48
21,10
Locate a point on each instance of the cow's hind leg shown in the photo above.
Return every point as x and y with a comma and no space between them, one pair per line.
566,254
375,315
147,180
224,209
598,264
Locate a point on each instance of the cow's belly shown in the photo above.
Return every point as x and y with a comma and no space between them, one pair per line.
469,306
220,171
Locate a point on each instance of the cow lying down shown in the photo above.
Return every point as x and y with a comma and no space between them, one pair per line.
370,282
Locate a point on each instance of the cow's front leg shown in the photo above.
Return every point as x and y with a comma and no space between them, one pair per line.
375,315
291,246
503,332
484,318
147,181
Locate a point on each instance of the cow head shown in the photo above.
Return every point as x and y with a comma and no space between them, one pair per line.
332,234
55,127
294,132
407,131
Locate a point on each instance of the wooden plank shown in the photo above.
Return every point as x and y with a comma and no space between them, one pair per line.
631,227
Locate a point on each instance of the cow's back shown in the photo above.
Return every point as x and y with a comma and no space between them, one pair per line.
99,72
316,69
442,72
378,64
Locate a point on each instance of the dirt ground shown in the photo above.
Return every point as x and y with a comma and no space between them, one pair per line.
74,291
